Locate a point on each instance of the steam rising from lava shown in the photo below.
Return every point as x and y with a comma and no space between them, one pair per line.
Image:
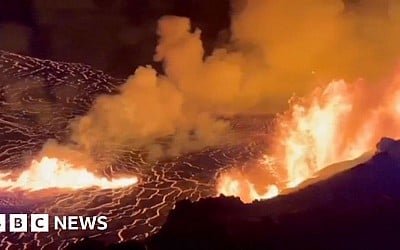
292,46
277,48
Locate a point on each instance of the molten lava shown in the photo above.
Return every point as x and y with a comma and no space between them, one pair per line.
333,124
54,173
240,186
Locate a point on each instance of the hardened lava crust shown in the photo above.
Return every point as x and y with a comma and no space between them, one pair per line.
38,99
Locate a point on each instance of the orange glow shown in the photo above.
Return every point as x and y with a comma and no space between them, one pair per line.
54,173
333,124
238,185
311,133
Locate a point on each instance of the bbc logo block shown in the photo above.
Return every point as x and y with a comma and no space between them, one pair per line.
20,223
37,223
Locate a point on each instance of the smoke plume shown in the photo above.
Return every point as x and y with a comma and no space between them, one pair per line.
301,44
277,48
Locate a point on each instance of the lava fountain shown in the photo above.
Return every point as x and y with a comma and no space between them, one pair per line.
54,173
333,124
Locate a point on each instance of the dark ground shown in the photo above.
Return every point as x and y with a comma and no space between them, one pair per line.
356,209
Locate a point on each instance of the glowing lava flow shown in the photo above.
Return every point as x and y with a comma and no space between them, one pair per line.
333,124
53,173
243,188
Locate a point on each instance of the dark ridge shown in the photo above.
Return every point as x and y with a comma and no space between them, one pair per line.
356,209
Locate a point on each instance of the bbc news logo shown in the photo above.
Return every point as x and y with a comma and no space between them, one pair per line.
37,223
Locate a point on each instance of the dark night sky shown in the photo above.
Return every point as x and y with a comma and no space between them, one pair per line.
113,35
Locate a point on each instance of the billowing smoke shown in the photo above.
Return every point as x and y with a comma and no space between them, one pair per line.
295,45
277,48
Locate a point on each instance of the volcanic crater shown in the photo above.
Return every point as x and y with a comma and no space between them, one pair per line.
39,98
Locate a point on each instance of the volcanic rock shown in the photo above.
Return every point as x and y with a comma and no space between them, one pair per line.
356,209
390,146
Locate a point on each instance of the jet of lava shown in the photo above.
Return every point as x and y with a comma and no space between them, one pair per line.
333,124
54,173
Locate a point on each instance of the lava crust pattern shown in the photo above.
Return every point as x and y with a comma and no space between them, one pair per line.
38,99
